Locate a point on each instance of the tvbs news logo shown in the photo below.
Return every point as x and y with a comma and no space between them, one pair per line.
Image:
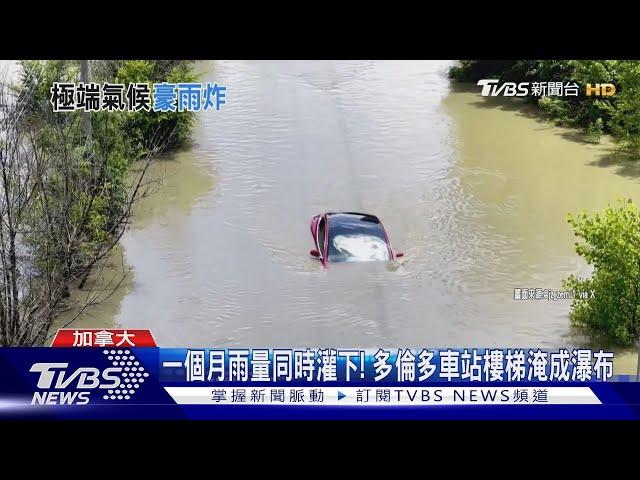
58,384
493,88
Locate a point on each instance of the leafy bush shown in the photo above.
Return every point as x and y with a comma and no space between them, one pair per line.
594,130
146,129
611,244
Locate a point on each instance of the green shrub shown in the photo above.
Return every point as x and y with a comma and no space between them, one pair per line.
611,245
146,130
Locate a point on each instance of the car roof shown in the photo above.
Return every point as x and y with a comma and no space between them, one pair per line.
354,216
353,221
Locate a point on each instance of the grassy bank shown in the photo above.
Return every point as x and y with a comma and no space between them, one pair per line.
618,116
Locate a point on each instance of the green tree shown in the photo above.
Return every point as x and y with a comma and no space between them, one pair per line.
610,243
67,185
625,117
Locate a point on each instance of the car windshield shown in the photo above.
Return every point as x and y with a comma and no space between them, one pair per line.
356,238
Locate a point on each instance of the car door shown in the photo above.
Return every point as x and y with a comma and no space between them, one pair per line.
314,226
318,232
321,236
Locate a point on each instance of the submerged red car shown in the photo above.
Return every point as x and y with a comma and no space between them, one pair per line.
350,237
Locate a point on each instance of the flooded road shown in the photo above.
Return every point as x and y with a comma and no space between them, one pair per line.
474,191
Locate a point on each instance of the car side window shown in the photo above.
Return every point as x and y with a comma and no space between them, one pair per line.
320,240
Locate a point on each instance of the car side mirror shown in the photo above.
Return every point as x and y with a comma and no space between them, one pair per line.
315,253
399,255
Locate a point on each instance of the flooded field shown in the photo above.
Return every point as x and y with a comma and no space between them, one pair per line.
475,191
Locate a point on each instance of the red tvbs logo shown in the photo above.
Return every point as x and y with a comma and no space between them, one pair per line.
60,385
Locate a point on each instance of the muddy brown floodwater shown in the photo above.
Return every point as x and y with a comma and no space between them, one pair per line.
475,191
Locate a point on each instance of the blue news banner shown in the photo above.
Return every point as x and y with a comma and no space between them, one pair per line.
324,383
